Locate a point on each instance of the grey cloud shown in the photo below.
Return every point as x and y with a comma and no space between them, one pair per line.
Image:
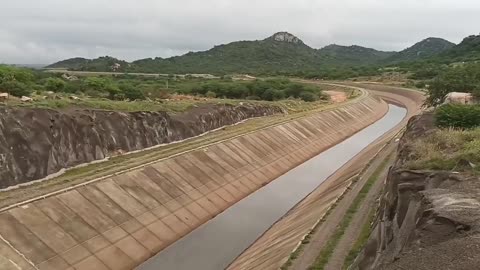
45,31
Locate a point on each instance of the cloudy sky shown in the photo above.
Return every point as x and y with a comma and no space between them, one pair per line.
34,31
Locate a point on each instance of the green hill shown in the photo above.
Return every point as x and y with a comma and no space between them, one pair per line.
280,53
467,51
104,63
422,50
352,55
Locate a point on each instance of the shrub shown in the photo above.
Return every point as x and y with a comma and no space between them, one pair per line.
55,85
308,96
132,93
16,88
272,94
458,116
211,94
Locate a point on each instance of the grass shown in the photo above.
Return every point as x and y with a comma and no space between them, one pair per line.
361,240
446,149
307,238
175,106
325,254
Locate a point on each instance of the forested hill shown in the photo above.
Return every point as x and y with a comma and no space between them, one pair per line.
282,52
424,49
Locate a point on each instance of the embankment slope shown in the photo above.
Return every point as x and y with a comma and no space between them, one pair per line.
120,221
273,249
35,143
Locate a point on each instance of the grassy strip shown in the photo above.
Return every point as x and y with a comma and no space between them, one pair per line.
307,238
324,256
361,240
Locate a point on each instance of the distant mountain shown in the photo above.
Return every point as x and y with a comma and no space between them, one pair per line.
105,63
281,52
424,49
32,66
352,55
468,50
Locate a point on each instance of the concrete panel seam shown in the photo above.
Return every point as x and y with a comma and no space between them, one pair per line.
18,252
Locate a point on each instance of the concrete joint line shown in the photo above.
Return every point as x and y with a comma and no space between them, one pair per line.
19,253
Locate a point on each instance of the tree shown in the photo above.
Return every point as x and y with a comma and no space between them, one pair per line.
272,94
55,85
308,96
113,91
211,94
456,79
16,88
95,83
131,92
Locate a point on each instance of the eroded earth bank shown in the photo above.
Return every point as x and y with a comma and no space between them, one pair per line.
35,143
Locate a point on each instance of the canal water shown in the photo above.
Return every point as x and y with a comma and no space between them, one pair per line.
215,244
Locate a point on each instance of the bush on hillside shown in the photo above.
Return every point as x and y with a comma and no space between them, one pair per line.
15,88
458,116
55,84
308,96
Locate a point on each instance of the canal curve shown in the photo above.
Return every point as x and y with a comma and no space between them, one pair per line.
215,244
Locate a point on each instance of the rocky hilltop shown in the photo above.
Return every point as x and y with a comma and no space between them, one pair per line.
286,37
35,143
427,219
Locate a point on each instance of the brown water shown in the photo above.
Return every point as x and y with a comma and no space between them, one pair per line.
215,244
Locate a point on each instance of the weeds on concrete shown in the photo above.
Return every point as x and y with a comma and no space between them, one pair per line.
361,240
326,253
307,238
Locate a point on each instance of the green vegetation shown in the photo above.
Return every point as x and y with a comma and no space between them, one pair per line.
361,240
307,238
424,49
326,253
15,81
458,116
173,93
447,149
260,57
461,78
271,90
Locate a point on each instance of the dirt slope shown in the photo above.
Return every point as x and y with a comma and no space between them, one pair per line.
37,142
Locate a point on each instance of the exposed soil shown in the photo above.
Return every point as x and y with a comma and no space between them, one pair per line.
336,96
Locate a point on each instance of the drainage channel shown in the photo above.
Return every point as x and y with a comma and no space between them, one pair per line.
215,244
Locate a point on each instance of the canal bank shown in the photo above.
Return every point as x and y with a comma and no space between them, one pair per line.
119,221
216,243
275,246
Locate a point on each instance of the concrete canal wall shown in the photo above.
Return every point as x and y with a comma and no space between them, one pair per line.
119,222
274,247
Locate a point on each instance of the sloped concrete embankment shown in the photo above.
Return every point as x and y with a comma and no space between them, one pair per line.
119,222
35,143
427,219
274,247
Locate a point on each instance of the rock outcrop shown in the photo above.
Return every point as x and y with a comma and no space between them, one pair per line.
426,219
35,143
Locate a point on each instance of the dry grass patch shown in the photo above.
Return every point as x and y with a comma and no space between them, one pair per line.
446,149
